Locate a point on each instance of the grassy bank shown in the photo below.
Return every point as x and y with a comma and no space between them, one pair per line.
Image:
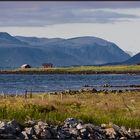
77,70
121,109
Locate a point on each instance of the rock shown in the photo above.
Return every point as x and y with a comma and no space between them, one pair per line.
53,131
63,134
73,131
116,127
84,90
34,137
123,132
84,133
83,130
80,90
37,130
98,133
97,128
29,131
42,124
7,136
110,132
40,127
12,127
120,91
94,90
30,123
123,138
23,135
103,126
90,128
79,138
98,136
45,134
2,124
88,125
2,127
71,122
137,133
107,85
2,130
66,91
79,126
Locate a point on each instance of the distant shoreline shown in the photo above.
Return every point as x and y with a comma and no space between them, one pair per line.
37,72
129,69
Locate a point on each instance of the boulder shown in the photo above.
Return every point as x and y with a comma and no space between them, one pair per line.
45,134
13,127
110,132
71,122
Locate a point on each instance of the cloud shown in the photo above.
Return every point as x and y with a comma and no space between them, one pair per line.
49,13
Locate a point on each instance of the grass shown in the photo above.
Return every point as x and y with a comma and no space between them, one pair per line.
121,109
77,70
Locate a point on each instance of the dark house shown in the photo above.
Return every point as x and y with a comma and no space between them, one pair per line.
47,65
25,66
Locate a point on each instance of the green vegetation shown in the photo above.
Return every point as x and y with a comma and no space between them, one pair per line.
77,70
121,109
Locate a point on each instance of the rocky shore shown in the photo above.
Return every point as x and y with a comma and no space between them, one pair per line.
94,90
70,129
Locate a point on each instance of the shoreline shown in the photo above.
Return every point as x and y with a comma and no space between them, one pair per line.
126,69
80,72
87,89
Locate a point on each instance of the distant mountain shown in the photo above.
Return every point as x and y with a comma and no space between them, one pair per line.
6,38
133,60
16,56
15,51
37,41
131,53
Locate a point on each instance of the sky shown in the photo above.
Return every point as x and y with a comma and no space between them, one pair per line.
118,22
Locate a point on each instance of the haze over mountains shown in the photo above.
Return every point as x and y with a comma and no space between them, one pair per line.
15,51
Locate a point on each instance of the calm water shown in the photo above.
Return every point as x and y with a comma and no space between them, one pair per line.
19,83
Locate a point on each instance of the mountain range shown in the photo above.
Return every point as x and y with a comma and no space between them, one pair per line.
87,50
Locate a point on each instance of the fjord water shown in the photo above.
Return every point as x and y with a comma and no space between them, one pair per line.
18,84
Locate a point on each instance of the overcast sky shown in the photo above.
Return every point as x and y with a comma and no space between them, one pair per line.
118,22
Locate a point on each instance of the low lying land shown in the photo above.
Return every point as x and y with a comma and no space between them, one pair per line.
122,109
131,69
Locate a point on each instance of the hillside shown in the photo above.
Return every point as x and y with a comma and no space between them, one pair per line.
133,60
6,38
14,51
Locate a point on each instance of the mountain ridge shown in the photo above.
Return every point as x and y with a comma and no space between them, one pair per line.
87,50
133,60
